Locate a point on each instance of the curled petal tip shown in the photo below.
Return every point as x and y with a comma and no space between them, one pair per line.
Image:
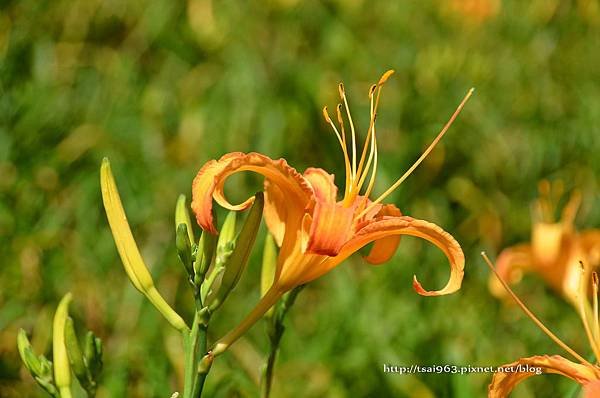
421,291
417,286
432,293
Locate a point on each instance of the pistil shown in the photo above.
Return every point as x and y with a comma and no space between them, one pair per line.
532,316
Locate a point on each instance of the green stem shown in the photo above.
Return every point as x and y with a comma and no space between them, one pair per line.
275,331
203,369
195,343
189,342
199,372
267,376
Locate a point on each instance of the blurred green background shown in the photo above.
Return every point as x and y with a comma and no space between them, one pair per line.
161,87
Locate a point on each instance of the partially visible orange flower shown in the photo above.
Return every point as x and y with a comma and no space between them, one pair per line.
585,373
476,10
314,230
555,249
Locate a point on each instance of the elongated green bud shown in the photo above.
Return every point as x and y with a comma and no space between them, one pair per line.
74,351
226,241
62,370
93,354
239,258
182,216
206,249
30,360
269,266
39,367
48,386
77,360
184,249
225,246
130,255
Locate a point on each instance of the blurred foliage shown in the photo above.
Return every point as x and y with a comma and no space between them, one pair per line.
161,87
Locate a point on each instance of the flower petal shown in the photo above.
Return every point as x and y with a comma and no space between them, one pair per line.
331,228
504,382
383,249
409,226
211,178
548,241
590,244
510,265
592,389
332,222
275,211
404,225
322,184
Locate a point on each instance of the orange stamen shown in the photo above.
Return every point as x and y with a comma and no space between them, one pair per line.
362,174
342,144
584,310
570,210
373,118
423,156
595,304
372,156
368,141
346,161
343,97
372,178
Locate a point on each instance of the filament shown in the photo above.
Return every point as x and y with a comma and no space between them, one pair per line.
341,141
343,97
346,161
373,118
595,304
371,138
423,156
584,312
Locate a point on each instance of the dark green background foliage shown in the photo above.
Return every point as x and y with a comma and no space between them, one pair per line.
160,87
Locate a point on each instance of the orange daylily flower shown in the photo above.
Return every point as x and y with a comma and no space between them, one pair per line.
314,230
476,10
584,372
555,249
